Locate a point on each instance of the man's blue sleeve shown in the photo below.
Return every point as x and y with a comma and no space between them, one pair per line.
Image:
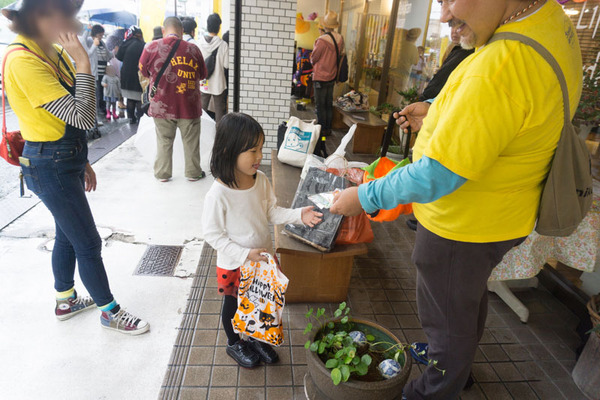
421,182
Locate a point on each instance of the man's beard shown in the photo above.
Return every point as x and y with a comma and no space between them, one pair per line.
468,42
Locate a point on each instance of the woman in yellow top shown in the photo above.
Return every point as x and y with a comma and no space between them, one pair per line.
55,104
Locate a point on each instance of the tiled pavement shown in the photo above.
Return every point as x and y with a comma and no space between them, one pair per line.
514,360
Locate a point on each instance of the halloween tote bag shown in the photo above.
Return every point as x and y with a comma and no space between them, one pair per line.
260,301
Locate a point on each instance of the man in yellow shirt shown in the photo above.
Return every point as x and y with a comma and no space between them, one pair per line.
480,162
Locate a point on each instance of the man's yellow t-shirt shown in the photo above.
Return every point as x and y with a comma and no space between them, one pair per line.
497,123
30,83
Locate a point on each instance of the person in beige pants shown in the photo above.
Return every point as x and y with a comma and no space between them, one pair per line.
165,135
177,101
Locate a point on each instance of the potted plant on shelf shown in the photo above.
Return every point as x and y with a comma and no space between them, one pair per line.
349,358
383,111
588,113
586,373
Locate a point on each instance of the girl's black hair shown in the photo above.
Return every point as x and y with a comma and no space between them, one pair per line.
23,21
236,133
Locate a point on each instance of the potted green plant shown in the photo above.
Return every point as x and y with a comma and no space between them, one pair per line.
383,111
586,373
588,112
349,358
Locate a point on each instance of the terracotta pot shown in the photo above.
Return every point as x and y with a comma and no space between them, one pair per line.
358,390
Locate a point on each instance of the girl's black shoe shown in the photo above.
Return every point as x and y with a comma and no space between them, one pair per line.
264,351
242,354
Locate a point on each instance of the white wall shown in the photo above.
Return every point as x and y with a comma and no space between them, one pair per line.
267,56
306,7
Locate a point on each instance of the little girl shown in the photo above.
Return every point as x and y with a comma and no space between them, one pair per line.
237,211
112,91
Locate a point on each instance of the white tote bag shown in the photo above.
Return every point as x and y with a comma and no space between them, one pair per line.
299,141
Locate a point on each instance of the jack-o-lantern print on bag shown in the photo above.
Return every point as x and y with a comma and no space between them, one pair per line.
260,301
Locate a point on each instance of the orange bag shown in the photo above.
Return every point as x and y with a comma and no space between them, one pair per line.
354,230
380,168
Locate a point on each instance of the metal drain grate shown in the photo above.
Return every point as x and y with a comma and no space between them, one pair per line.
159,260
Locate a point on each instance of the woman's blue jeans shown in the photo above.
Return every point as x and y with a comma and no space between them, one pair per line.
55,173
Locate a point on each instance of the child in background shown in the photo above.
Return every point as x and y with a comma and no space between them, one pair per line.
237,211
112,91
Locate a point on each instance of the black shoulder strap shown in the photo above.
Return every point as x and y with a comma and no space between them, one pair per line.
337,51
163,68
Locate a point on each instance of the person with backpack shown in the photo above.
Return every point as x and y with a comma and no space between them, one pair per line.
325,59
487,157
216,57
175,68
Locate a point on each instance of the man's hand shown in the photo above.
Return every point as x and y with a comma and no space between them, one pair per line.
255,255
413,116
347,203
90,178
311,217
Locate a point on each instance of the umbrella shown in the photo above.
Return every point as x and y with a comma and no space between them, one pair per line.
111,12
118,18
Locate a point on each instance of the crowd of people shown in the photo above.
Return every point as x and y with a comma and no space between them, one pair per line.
475,193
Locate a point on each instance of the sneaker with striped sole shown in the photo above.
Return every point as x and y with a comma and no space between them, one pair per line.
123,322
68,308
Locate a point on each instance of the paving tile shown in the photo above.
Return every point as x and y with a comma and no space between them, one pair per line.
196,393
411,295
525,335
493,352
299,393
252,377
297,308
204,338
211,307
554,370
473,393
414,335
224,376
496,391
279,375
280,393
546,390
251,393
494,321
381,307
196,376
504,335
297,321
377,295
487,337
390,284
285,355
361,307
396,295
208,321
561,351
530,370
401,307
479,357
211,294
222,358
408,321
298,372
516,352
201,356
483,372
507,372
388,321
221,337
538,352
222,393
298,355
569,389
521,391
298,338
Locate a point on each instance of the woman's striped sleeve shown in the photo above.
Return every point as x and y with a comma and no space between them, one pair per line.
78,111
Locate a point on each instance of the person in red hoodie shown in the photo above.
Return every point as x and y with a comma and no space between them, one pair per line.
324,59
177,102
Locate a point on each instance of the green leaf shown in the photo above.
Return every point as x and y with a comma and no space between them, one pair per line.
366,359
362,369
342,305
307,344
309,313
322,347
308,328
320,312
330,325
345,372
314,346
347,311
337,313
339,353
370,338
344,320
336,376
331,363
348,360
352,353
356,360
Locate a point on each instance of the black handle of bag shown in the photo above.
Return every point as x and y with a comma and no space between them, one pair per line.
154,86
387,136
